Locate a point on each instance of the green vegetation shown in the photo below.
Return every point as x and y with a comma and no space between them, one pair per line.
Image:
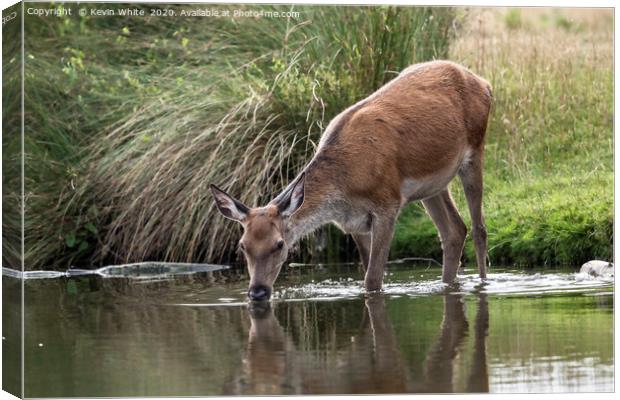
530,222
11,146
549,173
129,119
513,18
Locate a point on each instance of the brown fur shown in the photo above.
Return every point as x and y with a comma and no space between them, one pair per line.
411,128
262,230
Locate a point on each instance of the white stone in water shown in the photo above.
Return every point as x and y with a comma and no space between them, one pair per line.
598,268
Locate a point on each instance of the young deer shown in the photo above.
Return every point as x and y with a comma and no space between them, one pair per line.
403,143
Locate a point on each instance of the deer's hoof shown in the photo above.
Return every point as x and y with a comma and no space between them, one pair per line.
373,286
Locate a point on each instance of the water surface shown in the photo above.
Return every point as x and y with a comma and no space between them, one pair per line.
157,333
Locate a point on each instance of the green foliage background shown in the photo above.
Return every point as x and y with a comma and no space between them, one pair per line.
549,153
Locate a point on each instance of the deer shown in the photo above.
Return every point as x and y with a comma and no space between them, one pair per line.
403,143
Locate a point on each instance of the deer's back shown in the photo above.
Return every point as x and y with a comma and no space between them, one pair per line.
419,124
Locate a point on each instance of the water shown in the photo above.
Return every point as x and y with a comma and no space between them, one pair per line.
159,333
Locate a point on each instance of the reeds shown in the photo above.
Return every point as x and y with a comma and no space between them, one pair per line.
129,119
132,121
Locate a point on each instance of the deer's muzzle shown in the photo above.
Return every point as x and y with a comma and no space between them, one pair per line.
259,293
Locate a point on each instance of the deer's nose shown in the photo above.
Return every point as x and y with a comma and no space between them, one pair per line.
259,293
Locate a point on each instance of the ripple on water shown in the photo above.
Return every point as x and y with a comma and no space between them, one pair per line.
506,283
348,288
503,283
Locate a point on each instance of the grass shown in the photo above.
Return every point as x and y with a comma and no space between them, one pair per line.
512,18
549,173
531,222
11,146
129,119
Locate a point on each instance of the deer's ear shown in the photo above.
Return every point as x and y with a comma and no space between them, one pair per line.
292,198
229,206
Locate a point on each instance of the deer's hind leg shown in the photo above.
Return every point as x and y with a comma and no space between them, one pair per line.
471,177
452,231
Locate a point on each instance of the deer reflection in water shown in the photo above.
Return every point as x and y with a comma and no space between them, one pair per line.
372,361
440,361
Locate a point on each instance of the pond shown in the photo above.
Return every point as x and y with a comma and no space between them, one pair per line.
158,333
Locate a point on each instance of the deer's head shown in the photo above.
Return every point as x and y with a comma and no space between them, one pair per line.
265,234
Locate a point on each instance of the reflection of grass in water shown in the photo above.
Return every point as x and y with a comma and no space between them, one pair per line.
523,332
530,335
560,314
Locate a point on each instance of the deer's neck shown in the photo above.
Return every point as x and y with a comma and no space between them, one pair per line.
319,206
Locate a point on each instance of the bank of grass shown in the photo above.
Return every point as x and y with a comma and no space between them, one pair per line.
549,159
531,222
130,119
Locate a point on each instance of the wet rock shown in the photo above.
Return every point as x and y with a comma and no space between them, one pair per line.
598,268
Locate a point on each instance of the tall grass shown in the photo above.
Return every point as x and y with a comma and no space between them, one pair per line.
145,113
549,153
129,119
11,143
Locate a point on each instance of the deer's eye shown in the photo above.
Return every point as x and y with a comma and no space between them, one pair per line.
280,244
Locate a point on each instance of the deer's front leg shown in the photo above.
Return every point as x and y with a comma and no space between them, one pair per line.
380,239
362,240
